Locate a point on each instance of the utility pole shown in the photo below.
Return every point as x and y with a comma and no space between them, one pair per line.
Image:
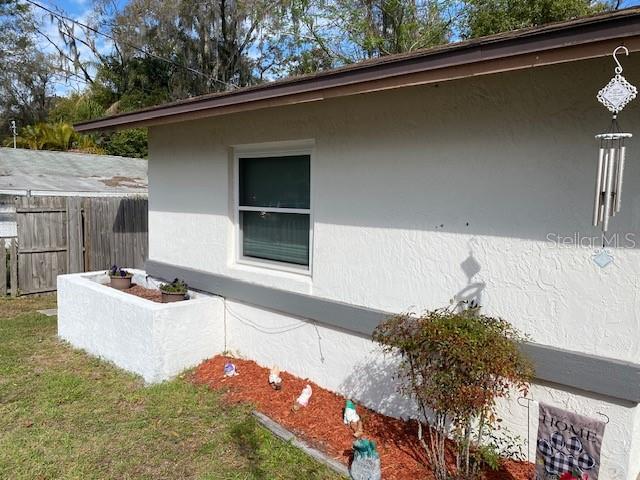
14,131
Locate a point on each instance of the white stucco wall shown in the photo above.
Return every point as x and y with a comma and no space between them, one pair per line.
156,341
421,195
408,185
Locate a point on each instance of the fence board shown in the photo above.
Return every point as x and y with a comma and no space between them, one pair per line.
75,257
13,265
3,269
86,239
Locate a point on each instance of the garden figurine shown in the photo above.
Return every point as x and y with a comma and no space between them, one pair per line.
230,370
352,419
274,378
303,399
366,461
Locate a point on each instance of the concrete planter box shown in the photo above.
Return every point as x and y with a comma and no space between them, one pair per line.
154,340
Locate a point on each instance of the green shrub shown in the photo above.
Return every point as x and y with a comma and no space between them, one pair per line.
456,365
58,136
177,286
127,143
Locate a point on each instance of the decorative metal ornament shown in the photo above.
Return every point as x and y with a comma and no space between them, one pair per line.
617,94
609,174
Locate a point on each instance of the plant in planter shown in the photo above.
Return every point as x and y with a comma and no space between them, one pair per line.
174,291
120,278
455,365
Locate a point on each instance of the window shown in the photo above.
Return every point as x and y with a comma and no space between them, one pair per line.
274,208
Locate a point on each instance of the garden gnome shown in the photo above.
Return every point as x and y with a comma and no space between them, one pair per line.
230,370
351,418
274,378
366,461
303,399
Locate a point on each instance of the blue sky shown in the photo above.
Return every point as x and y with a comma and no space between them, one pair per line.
77,7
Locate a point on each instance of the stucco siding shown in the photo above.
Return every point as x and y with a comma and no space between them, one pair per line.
426,193
154,340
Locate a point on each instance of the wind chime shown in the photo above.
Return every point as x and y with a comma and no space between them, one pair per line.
615,96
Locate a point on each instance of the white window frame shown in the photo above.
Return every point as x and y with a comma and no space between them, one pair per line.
272,149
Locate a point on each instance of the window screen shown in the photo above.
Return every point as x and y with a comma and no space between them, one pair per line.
274,208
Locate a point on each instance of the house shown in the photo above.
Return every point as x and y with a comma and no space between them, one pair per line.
315,205
47,173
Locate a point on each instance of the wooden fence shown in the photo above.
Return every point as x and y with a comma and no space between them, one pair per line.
58,235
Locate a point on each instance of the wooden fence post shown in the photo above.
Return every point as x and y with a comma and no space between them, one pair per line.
13,265
3,269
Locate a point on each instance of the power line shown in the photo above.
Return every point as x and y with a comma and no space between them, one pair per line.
134,47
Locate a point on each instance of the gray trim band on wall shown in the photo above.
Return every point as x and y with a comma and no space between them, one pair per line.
601,375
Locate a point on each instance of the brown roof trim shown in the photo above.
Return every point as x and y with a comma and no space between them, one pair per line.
583,38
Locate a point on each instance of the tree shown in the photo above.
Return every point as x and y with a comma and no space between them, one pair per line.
14,28
338,32
455,365
486,17
76,107
26,79
172,49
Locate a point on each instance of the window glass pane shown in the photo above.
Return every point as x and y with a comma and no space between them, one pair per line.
275,182
283,237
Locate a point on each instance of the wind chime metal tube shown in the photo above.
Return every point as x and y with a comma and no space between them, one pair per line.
608,192
620,173
597,210
609,177
611,157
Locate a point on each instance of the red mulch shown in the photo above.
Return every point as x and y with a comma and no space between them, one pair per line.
320,423
142,292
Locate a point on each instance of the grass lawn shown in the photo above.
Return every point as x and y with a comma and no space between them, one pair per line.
65,415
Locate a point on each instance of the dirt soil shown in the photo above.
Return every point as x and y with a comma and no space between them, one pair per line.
320,423
142,292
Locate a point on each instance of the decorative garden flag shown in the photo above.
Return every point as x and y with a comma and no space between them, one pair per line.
567,443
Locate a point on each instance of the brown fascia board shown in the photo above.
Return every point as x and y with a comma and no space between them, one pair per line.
581,39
